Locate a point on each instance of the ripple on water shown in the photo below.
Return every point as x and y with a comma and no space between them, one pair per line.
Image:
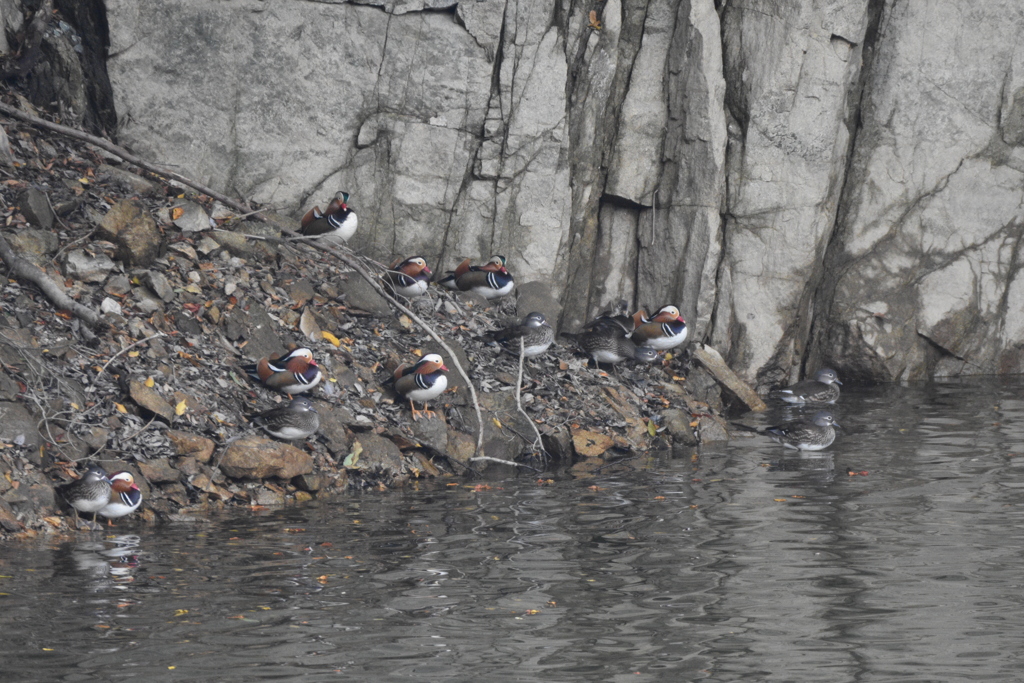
746,562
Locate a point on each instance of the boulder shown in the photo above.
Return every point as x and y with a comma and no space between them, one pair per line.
199,447
86,267
33,245
18,426
189,216
378,456
158,471
150,400
258,458
35,207
133,230
538,296
361,295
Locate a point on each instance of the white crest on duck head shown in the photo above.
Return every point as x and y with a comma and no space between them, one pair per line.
433,361
670,312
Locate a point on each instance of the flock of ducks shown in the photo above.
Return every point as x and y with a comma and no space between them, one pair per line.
610,338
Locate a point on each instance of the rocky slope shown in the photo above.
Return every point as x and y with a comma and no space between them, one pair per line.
188,295
827,182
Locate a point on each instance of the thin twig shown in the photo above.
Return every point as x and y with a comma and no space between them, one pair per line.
539,443
141,341
511,463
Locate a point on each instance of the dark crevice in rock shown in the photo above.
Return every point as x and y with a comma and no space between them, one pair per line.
820,348
89,17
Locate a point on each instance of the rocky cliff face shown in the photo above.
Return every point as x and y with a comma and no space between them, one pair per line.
811,181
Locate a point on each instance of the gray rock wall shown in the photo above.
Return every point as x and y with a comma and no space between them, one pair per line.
812,181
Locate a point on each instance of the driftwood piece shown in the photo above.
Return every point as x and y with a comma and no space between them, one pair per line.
715,364
25,270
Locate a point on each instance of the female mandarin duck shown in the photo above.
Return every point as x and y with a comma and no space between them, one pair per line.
125,497
88,494
605,340
292,373
491,280
666,330
813,435
408,278
338,222
297,420
535,332
421,382
824,388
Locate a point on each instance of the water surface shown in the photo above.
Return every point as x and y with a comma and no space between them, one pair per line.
734,562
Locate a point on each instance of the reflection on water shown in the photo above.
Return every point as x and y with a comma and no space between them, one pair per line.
746,562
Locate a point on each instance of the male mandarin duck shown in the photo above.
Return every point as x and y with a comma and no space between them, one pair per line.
423,381
125,497
294,372
824,388
297,420
491,280
535,332
802,435
622,319
88,494
665,330
339,221
408,278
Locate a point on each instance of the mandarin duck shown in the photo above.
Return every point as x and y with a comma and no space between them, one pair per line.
88,494
535,332
297,420
813,435
338,222
449,281
423,381
294,372
408,278
621,317
824,388
608,343
491,280
125,497
665,330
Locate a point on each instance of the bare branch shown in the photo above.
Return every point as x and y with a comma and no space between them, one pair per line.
26,270
121,152
539,443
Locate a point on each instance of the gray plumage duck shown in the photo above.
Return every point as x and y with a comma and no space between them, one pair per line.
813,435
296,420
534,331
823,388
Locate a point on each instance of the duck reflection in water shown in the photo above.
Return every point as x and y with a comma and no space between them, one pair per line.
115,557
